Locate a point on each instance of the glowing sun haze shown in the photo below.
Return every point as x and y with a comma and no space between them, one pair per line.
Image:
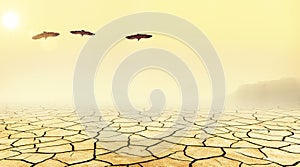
256,40
10,20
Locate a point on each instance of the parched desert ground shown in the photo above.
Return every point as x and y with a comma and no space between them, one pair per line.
38,136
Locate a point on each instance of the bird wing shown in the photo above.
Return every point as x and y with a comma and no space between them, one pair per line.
148,36
54,34
88,33
144,36
51,34
39,36
132,37
75,32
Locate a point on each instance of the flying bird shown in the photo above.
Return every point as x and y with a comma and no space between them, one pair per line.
138,36
45,35
82,32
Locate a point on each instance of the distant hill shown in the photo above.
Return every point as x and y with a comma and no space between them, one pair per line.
283,92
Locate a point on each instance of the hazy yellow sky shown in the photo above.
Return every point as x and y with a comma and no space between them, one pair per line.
255,40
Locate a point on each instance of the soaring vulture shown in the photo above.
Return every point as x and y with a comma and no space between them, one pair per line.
82,32
138,36
45,35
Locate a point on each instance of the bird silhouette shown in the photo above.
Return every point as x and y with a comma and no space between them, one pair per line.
45,35
82,32
138,36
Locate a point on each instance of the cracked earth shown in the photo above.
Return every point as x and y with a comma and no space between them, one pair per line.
55,137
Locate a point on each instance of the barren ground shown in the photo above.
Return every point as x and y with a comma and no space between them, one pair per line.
37,136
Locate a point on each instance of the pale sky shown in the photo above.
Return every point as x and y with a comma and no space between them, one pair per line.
256,40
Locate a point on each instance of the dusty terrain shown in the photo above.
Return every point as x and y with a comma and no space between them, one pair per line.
37,136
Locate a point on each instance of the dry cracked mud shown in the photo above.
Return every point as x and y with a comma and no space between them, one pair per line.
38,136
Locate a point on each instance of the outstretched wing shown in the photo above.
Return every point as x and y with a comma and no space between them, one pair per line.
75,32
39,36
148,36
52,34
88,33
130,37
144,36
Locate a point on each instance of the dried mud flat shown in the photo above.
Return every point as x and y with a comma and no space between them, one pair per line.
37,136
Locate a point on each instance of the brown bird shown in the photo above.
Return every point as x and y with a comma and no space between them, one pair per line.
138,36
82,32
45,35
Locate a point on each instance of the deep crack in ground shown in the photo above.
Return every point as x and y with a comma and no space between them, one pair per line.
39,136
